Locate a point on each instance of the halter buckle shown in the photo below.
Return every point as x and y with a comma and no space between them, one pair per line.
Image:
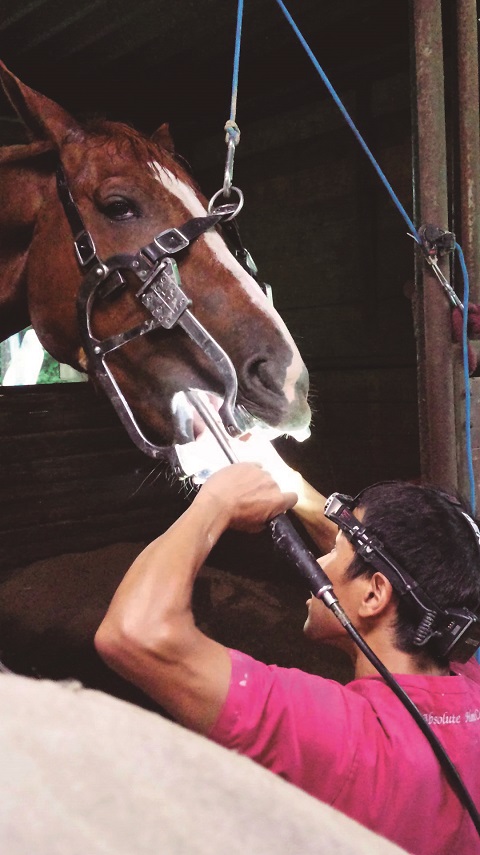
166,243
84,248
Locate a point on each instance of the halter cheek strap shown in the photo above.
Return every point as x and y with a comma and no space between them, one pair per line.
82,240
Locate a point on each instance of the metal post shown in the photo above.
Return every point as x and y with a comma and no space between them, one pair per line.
433,324
469,237
469,140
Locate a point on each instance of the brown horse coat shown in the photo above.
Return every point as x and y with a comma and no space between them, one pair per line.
85,774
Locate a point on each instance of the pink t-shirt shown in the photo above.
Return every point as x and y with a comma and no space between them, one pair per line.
357,748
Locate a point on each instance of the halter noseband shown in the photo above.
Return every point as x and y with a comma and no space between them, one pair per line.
161,294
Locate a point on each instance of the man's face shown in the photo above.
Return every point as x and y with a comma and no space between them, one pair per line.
321,624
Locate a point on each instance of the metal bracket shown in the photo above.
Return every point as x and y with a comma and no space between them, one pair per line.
171,240
435,241
162,295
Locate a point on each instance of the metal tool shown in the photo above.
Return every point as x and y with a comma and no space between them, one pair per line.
284,535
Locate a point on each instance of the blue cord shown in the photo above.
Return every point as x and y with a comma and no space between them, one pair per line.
414,233
466,375
236,64
350,122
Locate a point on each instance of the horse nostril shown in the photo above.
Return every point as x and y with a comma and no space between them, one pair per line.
267,372
303,382
273,396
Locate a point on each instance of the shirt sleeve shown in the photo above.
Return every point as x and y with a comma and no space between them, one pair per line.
300,726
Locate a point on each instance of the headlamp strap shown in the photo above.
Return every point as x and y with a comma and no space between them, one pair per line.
456,631
473,525
372,550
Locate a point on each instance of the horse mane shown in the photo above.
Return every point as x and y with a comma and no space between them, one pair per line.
124,137
128,139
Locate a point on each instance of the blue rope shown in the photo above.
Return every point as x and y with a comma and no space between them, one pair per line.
350,122
414,233
466,376
236,65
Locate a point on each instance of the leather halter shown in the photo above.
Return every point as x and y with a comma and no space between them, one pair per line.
161,294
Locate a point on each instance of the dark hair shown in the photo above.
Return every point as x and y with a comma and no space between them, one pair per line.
425,532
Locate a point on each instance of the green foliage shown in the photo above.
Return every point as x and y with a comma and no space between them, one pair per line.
50,371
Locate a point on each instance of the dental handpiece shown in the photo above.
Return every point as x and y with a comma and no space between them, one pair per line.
284,535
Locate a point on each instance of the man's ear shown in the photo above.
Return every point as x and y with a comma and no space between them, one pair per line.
377,596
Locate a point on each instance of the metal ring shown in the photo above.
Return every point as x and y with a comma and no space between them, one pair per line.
213,210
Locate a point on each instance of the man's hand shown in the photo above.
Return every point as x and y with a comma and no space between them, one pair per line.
309,505
149,634
246,495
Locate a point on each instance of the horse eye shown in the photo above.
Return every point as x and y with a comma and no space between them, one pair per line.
120,209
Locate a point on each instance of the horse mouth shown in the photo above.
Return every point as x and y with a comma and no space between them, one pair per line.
190,426
200,453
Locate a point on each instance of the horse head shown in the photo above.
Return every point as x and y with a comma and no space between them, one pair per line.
128,189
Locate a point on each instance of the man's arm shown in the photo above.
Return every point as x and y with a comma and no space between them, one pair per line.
310,511
148,634
310,505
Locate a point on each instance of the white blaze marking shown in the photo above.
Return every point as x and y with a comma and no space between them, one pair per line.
194,206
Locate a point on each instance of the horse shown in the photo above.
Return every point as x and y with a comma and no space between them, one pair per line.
86,209
79,195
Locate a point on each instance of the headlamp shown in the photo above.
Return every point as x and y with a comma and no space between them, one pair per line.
455,631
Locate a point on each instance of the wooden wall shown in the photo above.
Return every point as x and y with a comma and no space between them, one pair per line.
74,517
71,480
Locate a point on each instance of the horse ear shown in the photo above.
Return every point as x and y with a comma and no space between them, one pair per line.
42,117
162,138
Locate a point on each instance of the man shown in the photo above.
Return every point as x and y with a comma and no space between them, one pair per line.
353,746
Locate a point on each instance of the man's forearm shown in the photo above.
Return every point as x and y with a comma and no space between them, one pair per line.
310,505
148,634
310,511
153,601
